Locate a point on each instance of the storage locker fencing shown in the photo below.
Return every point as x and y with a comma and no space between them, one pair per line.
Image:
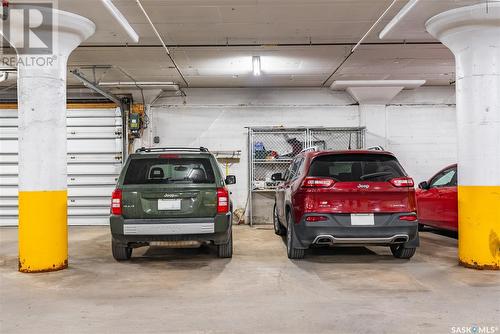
272,149
95,156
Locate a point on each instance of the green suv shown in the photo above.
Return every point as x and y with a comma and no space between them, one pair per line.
171,195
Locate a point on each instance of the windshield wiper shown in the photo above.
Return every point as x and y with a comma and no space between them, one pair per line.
372,175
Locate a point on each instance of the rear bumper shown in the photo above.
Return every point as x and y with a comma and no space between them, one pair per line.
338,231
214,229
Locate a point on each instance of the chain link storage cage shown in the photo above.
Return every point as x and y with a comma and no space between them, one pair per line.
271,150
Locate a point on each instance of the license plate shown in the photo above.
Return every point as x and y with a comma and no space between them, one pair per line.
169,204
362,219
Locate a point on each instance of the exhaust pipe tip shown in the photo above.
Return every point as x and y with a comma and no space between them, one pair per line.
400,240
323,240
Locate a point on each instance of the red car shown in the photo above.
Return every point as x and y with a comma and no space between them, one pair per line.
342,198
437,203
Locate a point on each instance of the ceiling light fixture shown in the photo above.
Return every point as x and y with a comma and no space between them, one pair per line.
256,65
121,19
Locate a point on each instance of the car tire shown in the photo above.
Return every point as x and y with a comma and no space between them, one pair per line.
292,252
278,228
120,252
225,251
401,252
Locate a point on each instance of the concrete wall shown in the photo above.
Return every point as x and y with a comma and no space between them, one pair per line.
418,126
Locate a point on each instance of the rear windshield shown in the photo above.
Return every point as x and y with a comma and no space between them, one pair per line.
165,171
356,167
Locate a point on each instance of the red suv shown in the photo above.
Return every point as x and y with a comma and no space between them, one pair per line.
346,198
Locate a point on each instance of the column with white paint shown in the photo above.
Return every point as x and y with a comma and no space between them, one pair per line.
43,240
473,35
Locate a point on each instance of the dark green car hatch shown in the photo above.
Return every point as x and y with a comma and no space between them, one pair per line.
170,186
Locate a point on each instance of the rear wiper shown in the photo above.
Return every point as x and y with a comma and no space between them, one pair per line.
157,181
372,175
181,180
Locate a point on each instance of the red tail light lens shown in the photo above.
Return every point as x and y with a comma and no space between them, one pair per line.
116,202
316,182
222,200
408,218
402,182
316,219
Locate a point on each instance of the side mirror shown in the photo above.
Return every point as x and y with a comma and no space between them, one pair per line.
230,179
424,185
277,177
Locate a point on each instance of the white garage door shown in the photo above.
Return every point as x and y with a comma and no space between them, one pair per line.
95,145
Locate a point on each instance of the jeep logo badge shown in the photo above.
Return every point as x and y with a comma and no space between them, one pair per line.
169,195
363,186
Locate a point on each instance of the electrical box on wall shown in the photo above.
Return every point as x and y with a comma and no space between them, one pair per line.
136,120
135,124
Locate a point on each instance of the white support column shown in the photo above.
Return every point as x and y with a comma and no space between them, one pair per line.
473,35
43,240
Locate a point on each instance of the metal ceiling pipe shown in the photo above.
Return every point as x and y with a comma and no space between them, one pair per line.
43,232
162,41
141,84
353,49
257,45
95,87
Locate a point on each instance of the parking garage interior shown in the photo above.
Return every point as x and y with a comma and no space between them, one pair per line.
259,86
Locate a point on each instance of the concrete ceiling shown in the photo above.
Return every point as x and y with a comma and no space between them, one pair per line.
300,43
409,23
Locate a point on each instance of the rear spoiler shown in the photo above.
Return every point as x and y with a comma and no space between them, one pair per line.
375,148
310,149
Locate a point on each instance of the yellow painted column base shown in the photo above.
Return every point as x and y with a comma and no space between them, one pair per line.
479,227
43,231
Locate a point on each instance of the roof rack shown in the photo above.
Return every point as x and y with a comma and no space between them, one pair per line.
166,149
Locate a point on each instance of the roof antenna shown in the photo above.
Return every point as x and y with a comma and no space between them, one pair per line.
350,136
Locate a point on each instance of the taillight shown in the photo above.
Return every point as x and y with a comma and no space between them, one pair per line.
222,200
169,156
317,182
408,218
402,182
116,202
316,218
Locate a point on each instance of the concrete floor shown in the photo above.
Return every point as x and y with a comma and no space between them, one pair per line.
343,290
